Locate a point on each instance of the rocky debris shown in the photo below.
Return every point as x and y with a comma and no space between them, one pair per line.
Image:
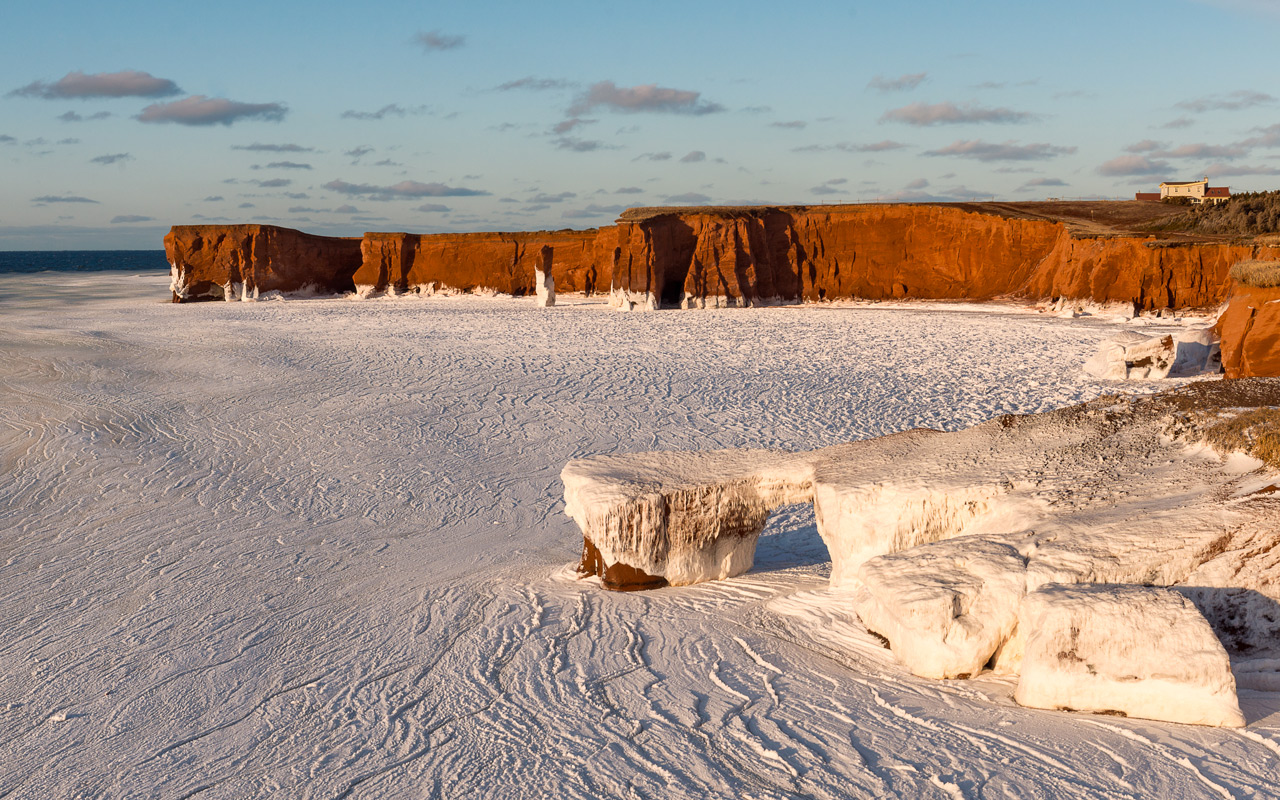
1138,651
1135,356
238,262
1250,331
544,282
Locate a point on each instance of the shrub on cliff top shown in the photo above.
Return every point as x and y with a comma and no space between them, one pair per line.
1262,274
1247,214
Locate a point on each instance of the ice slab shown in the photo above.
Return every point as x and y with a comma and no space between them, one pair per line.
683,517
1135,356
1137,650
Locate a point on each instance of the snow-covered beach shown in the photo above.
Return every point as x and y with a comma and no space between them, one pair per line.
318,548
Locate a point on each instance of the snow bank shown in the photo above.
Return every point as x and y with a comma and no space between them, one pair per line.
683,517
1137,650
1134,356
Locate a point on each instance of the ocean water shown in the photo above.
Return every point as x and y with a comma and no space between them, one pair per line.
81,260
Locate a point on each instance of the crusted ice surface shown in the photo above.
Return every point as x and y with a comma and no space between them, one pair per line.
315,549
686,517
1137,650
1131,355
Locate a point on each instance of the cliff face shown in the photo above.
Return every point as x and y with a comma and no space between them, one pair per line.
1152,275
504,262
213,262
748,256
1250,331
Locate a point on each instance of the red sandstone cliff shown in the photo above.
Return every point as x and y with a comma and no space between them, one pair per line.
747,256
211,261
503,262
1250,331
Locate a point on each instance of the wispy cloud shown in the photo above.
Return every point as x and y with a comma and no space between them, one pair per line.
72,116
1232,101
948,113
1041,183
1133,165
693,157
111,158
1229,170
795,124
401,191
80,86
571,123
644,98
273,183
273,148
901,83
851,147
663,156
1146,146
201,110
1007,151
287,165
592,210
533,84
1204,151
358,152
688,198
543,197
1180,122
432,208
123,218
51,198
389,110
629,190
577,145
435,40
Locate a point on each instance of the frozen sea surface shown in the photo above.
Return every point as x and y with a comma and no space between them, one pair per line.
317,549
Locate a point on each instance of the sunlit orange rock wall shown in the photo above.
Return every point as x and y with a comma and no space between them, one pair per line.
1250,331
503,262
748,256
210,260
1152,275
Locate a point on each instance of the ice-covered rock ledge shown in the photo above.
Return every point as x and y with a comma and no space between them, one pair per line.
940,538
653,519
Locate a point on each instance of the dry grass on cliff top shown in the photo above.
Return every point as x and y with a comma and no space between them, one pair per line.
1260,274
1255,432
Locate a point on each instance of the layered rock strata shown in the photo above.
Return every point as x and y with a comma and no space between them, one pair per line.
500,262
714,257
226,262
1250,331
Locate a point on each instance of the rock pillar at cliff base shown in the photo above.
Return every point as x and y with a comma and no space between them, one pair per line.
544,282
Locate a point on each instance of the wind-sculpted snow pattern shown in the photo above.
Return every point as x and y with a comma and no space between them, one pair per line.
315,549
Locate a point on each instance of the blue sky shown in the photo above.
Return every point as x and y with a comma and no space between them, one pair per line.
118,120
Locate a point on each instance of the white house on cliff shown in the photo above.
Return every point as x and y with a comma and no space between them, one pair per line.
1196,191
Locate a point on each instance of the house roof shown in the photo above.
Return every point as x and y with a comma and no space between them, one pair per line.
1183,183
1217,191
